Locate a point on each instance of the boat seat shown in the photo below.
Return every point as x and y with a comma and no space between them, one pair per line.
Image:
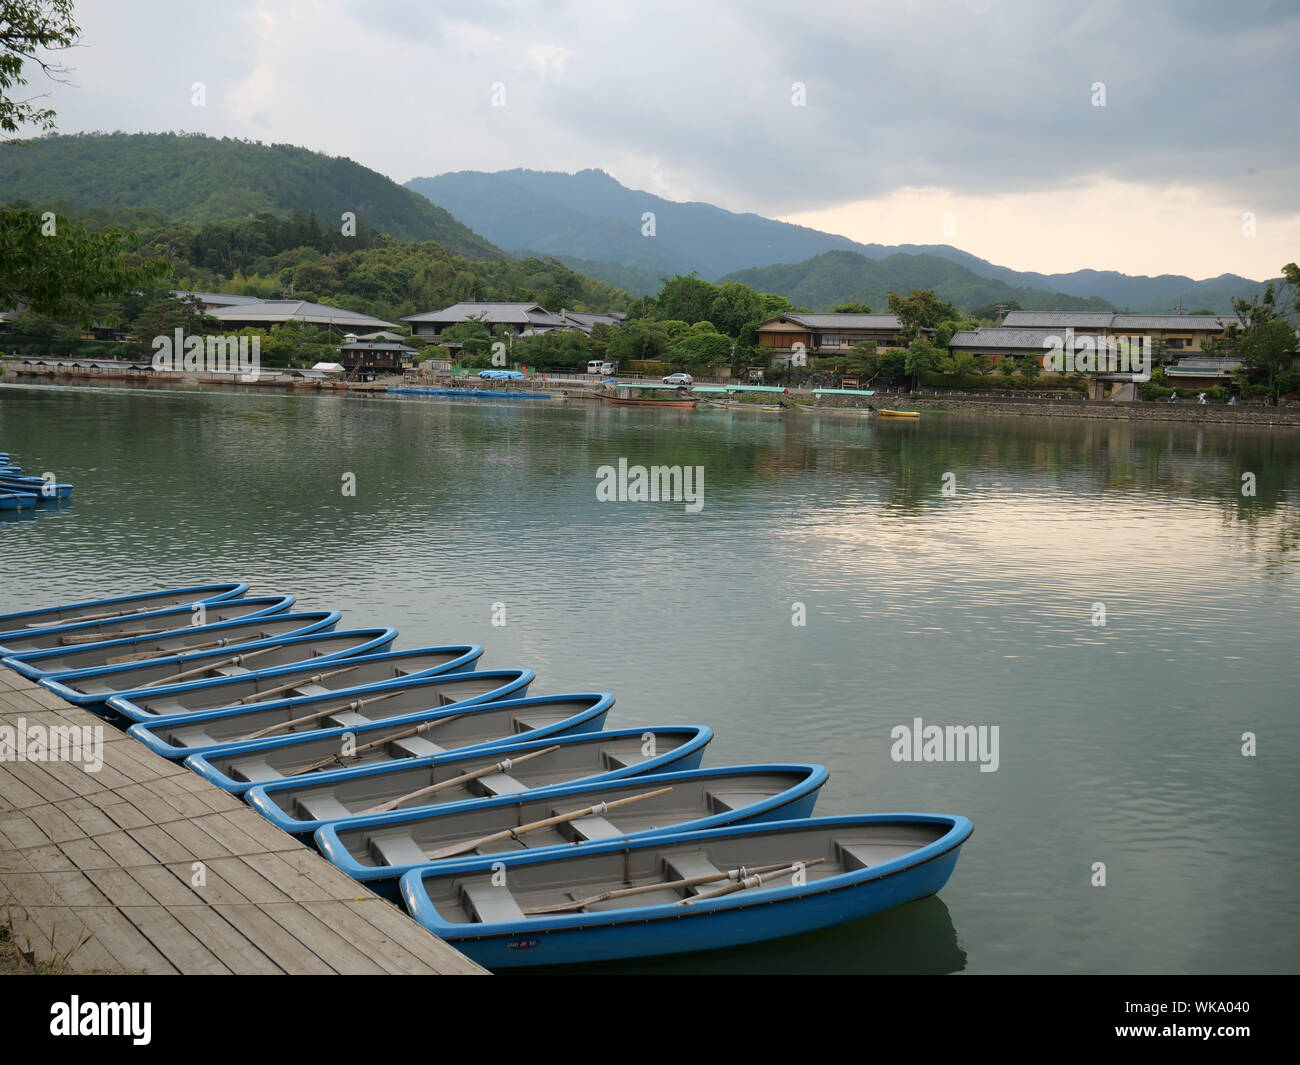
685,866
491,903
310,689
345,719
501,784
525,723
191,737
418,747
594,827
722,802
613,761
398,850
233,671
254,771
321,808
856,856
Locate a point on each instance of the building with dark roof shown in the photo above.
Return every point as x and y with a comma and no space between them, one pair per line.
829,334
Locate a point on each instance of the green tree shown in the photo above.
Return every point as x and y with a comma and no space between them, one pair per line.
914,312
922,356
701,350
685,298
850,308
26,28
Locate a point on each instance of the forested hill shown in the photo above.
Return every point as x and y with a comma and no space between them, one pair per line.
198,179
846,277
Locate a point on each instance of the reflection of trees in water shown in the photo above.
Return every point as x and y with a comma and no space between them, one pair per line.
558,447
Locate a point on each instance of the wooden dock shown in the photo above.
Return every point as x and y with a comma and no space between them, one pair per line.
145,867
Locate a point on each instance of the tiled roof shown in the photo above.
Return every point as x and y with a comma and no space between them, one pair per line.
492,313
296,311
842,321
1002,338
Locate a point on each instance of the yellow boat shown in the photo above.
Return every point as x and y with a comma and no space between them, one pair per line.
898,413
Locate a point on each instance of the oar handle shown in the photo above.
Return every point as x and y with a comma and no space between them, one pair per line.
356,704
315,678
533,826
232,660
503,766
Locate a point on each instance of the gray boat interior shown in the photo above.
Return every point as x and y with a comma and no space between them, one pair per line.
346,675
69,615
284,655
120,627
347,711
99,654
414,841
474,898
487,722
572,761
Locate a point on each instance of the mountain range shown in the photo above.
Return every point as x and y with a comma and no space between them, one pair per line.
594,224
587,220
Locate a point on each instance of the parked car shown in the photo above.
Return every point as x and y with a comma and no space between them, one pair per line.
681,380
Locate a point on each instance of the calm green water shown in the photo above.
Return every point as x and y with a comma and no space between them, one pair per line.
1118,744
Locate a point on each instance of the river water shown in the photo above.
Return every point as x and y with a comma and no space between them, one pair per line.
1107,594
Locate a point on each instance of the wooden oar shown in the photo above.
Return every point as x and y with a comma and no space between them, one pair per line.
199,671
501,767
315,678
376,743
749,882
99,637
356,704
533,826
672,885
78,619
167,652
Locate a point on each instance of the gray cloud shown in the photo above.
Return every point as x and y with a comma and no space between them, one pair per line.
693,99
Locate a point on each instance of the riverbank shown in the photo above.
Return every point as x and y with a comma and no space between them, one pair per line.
1186,411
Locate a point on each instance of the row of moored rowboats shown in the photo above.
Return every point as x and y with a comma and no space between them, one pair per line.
20,491
515,827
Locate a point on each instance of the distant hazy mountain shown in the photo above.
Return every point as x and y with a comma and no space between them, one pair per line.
205,179
594,224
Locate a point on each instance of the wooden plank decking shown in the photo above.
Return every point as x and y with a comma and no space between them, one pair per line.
112,854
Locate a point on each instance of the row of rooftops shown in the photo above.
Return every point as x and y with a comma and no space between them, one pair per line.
529,317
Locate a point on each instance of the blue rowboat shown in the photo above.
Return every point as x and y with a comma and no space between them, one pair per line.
299,807
315,649
61,662
16,500
90,687
574,906
481,726
44,489
159,622
295,681
229,729
74,613
379,849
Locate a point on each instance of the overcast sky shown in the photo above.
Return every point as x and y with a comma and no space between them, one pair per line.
974,124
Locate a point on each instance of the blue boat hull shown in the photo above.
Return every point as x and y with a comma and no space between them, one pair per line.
54,663
129,704
201,593
154,734
793,803
175,619
590,720
687,756
751,916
